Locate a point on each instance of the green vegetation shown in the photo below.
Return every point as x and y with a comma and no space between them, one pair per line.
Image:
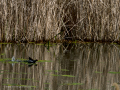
52,70
19,85
2,54
64,70
68,76
114,72
44,61
22,79
72,84
14,73
5,43
63,75
4,59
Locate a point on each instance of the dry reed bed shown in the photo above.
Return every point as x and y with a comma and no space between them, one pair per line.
35,20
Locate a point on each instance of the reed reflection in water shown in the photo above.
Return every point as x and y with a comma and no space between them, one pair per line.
63,66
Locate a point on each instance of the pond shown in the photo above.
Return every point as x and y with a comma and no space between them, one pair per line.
60,66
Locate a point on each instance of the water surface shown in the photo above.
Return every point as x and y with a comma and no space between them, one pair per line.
62,66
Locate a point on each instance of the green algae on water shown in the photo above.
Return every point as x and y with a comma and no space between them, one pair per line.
2,54
15,73
72,84
19,85
39,44
5,43
98,72
67,75
22,79
52,70
114,72
64,70
5,59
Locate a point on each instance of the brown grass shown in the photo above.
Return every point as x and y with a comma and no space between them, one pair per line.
35,20
116,86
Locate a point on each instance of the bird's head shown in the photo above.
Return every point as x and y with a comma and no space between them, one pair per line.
36,60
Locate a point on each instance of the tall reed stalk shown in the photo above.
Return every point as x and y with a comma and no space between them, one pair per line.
35,20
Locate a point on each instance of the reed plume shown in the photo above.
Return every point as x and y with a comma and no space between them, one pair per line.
116,86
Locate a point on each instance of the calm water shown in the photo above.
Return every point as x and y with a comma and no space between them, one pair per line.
81,66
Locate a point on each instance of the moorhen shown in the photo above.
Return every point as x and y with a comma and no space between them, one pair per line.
31,60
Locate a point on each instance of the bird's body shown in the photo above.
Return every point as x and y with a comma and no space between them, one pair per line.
31,60
28,61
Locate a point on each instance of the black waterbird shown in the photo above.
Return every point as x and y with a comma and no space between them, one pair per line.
31,60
